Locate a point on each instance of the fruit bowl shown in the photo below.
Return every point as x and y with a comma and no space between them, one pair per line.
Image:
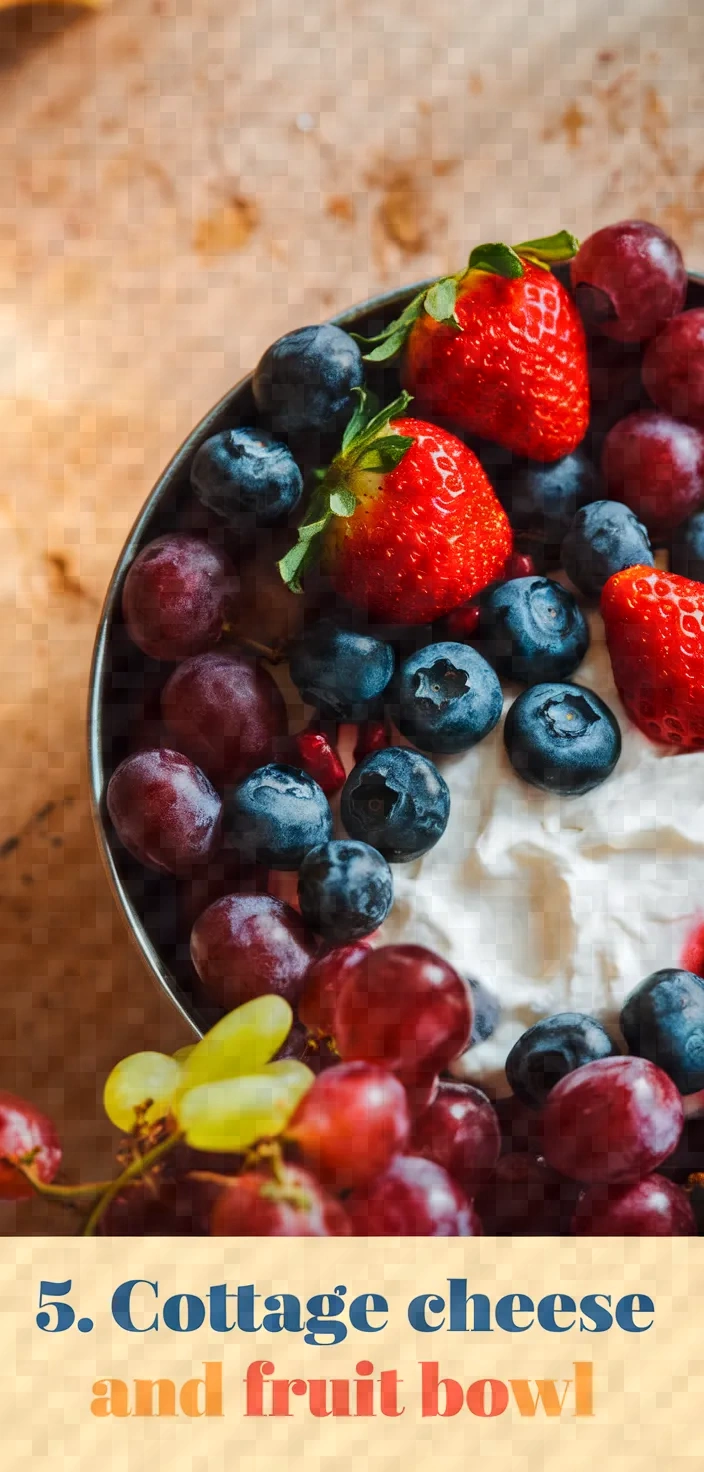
120,673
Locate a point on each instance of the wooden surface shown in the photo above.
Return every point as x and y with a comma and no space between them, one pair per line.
178,186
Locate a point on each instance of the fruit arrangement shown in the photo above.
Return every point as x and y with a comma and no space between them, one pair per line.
540,456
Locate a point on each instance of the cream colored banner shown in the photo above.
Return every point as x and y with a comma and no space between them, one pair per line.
553,1354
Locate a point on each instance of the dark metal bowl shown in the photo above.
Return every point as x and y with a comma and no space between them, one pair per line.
119,673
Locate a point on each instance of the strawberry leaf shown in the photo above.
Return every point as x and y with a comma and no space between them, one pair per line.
551,249
382,418
293,565
387,349
501,260
385,453
366,408
342,502
440,301
389,342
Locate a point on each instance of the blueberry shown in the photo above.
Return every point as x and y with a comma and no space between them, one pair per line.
552,1048
687,551
397,801
345,890
603,539
532,629
486,1011
445,698
341,672
663,1020
275,816
542,499
305,380
562,738
246,476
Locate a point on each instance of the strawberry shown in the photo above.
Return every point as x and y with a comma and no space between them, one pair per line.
404,520
655,636
499,350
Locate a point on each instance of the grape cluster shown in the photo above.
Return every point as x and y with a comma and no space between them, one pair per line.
232,1137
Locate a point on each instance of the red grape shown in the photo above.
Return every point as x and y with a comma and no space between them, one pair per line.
612,1120
521,1127
519,565
316,1053
350,1124
524,1197
421,1091
246,945
673,367
413,1198
406,1008
223,874
322,986
162,1208
291,1205
164,810
460,1132
226,712
22,1130
656,466
628,280
175,597
650,1208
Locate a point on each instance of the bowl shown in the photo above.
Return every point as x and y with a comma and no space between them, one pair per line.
120,674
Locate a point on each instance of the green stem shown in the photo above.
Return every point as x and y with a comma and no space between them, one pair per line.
132,1173
53,1192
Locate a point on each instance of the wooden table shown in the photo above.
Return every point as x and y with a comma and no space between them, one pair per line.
177,190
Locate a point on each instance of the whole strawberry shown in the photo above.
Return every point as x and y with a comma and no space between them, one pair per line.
499,350
655,637
404,521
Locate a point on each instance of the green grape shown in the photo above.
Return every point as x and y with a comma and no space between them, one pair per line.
241,1043
135,1080
234,1113
182,1054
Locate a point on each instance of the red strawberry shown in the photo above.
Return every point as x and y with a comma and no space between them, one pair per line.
405,521
499,350
655,636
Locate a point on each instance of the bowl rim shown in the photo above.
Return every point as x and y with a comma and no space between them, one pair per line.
397,298
385,301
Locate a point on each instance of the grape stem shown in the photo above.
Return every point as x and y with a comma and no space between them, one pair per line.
272,653
69,1194
133,1172
269,1153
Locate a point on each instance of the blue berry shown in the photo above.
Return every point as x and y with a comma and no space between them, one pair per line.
305,379
345,890
397,801
247,476
552,1048
687,551
663,1020
562,738
341,672
543,499
486,1011
275,816
603,539
532,629
446,698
